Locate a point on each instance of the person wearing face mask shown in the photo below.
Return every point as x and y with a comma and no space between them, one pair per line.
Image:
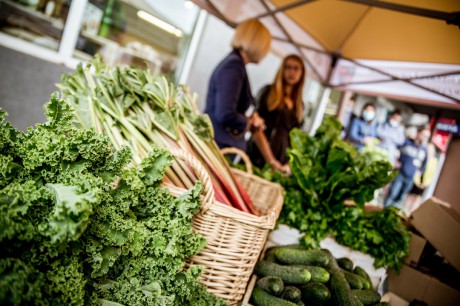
412,161
391,135
362,131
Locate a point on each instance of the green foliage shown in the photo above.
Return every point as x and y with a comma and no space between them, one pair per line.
78,226
373,152
327,171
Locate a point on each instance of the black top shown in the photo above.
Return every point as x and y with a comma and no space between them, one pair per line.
229,96
279,123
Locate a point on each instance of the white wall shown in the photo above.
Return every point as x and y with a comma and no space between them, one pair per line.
213,46
263,73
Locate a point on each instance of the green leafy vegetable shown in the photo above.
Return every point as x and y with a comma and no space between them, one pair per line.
373,152
80,227
140,111
327,171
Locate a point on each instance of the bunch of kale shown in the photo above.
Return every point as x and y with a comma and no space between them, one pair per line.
80,227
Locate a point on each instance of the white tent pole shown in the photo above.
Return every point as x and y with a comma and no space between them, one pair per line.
71,29
319,114
191,52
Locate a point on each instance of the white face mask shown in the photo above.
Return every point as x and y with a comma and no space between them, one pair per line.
368,115
394,123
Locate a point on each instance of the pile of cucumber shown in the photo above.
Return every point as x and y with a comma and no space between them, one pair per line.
291,275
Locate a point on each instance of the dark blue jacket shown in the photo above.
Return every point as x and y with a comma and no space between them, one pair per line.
413,157
229,96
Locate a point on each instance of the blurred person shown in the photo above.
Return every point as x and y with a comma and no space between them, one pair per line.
412,162
281,106
391,135
229,94
362,131
421,182
348,116
411,132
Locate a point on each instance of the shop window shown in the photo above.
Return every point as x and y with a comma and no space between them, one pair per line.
38,21
137,33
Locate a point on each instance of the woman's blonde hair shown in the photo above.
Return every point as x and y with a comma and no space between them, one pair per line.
252,37
277,92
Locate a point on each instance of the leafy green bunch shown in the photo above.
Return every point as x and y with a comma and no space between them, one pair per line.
330,170
381,234
80,227
327,171
135,109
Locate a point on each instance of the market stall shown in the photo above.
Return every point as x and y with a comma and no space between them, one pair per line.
123,198
236,214
111,186
122,132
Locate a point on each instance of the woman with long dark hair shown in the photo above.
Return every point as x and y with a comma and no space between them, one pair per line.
280,104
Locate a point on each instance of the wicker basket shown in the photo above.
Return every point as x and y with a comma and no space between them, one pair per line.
244,157
235,238
254,278
250,288
257,187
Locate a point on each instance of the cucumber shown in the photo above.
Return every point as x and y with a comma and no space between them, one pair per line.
345,263
292,275
332,266
361,272
315,293
318,274
358,302
291,294
272,284
302,257
292,246
341,291
270,253
260,297
355,281
367,297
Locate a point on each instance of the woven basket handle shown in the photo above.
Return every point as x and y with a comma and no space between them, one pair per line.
203,176
242,154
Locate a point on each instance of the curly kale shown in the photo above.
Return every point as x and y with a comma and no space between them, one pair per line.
80,226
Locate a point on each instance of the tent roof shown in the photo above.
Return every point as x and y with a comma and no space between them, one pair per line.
359,31
369,35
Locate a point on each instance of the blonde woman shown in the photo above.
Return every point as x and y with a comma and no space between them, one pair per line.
281,106
229,93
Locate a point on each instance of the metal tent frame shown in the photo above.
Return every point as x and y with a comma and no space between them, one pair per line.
271,11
